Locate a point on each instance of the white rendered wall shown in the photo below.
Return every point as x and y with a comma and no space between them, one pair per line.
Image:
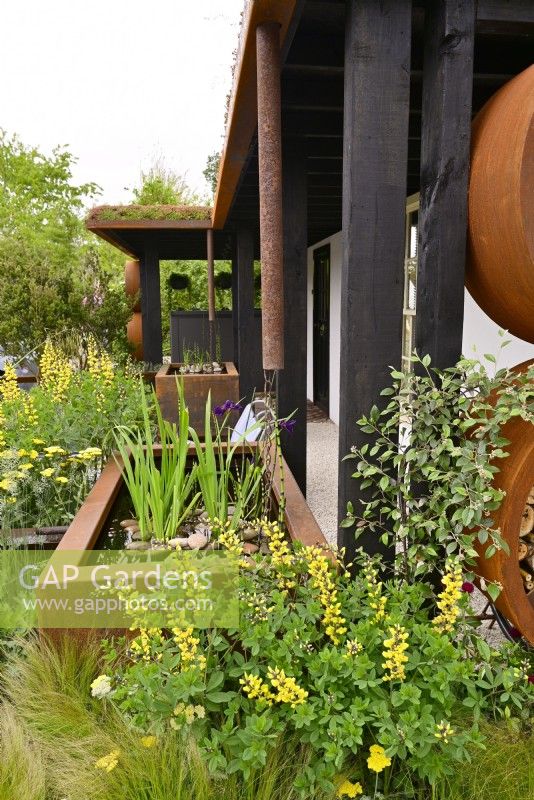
481,334
336,257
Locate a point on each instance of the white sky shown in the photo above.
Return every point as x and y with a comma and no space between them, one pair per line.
120,82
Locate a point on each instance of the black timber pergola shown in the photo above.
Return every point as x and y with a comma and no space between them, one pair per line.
377,100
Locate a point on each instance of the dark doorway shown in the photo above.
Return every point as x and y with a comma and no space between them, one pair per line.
321,327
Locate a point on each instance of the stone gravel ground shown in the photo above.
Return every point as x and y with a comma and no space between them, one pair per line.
321,495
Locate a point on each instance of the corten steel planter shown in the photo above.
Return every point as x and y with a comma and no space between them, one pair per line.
500,262
516,478
97,509
223,386
86,527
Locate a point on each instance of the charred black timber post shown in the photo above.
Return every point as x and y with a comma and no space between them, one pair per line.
446,132
211,291
375,158
292,381
247,344
151,306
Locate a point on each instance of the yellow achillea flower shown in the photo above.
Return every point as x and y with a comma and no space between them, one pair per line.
26,466
188,647
149,741
348,789
54,450
109,762
448,599
320,570
9,388
62,479
48,472
394,653
378,760
6,485
444,731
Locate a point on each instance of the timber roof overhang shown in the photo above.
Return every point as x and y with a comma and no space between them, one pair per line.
312,36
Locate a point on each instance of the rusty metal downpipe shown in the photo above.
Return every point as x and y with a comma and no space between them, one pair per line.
270,183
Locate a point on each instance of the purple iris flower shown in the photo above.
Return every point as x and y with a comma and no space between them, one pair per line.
287,425
227,406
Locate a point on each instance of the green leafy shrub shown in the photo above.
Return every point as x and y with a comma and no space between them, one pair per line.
432,495
344,664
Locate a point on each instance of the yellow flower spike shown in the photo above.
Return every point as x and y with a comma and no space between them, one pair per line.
394,653
321,572
444,731
348,789
448,599
9,388
31,418
378,760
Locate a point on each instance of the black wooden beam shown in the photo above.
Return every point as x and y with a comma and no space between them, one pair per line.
247,343
151,306
292,380
377,101
447,87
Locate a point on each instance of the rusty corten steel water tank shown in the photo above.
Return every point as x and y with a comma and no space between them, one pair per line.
500,261
132,282
516,478
134,333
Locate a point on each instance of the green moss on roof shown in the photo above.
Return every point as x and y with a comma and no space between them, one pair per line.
156,213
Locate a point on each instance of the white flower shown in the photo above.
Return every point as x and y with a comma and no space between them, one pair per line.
101,686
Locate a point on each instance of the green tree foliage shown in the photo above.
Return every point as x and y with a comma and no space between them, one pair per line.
52,277
211,173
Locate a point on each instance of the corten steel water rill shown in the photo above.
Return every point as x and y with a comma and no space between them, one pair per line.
270,185
500,264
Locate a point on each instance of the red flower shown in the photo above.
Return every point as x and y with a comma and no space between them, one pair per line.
531,678
468,587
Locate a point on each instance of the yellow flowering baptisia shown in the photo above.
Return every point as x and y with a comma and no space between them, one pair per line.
348,789
448,598
281,555
353,648
141,648
378,760
188,648
283,688
394,653
109,762
55,372
444,731
31,418
320,569
9,388
374,590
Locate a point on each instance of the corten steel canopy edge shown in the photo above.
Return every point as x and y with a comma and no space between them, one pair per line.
243,110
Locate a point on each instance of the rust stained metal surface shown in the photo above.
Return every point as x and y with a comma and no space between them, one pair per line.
515,478
242,112
270,175
500,264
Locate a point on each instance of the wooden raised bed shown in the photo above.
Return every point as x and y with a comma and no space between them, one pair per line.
223,386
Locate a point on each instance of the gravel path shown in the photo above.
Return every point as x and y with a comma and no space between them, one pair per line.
321,489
